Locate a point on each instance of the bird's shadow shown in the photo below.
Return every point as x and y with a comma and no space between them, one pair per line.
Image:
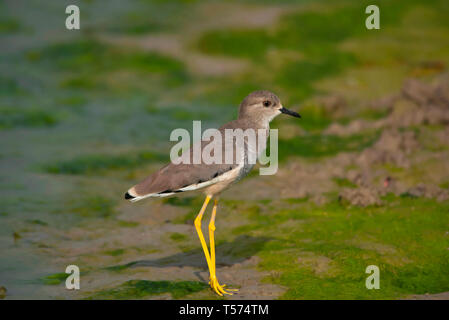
227,254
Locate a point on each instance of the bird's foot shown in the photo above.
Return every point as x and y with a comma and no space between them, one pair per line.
219,289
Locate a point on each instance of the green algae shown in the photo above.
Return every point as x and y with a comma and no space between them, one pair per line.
178,237
138,289
239,43
298,77
179,113
115,252
38,222
10,86
55,279
343,182
95,163
9,25
405,238
92,56
127,224
93,206
182,201
194,205
134,23
18,117
318,145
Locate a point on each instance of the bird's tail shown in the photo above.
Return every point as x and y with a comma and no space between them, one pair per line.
133,197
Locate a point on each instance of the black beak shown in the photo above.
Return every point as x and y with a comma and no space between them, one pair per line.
290,113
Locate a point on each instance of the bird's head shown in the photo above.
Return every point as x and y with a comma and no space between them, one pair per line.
263,106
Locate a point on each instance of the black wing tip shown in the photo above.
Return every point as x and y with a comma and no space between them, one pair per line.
128,196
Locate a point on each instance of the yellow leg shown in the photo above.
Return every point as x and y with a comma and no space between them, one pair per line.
200,233
213,277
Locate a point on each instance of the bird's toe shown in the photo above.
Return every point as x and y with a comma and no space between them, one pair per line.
219,289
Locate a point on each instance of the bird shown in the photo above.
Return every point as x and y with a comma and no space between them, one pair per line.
256,111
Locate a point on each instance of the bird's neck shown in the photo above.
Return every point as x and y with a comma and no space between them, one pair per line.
257,122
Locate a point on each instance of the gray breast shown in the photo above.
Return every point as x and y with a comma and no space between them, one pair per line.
246,168
251,152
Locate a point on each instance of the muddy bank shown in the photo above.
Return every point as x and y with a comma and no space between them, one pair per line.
428,296
418,103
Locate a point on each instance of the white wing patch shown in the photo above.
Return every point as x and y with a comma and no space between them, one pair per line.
225,176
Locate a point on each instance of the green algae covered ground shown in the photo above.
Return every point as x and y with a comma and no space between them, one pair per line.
363,177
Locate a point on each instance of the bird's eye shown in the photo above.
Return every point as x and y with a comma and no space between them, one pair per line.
267,103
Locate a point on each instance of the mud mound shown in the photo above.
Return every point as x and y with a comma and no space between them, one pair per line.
421,103
376,179
352,128
418,103
384,103
393,147
360,197
333,104
423,94
428,191
368,193
443,136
